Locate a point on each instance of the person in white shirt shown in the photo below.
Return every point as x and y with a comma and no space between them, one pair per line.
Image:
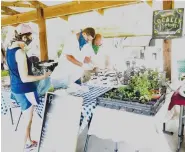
98,53
72,62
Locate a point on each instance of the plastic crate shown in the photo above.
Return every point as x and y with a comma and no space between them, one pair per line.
130,106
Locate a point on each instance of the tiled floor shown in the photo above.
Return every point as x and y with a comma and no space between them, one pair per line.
11,139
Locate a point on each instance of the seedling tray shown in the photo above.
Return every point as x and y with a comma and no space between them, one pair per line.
150,108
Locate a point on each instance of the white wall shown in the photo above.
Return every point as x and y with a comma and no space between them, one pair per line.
57,30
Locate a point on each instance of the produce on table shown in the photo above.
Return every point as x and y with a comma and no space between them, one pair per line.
142,87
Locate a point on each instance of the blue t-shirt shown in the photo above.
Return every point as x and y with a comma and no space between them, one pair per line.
17,86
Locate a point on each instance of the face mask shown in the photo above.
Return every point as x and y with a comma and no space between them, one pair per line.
28,41
95,48
81,40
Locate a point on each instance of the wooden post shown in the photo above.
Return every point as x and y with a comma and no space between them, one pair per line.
167,44
42,34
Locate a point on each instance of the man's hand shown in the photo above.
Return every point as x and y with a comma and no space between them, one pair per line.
87,60
47,74
87,67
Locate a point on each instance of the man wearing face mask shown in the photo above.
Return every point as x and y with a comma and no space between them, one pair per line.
72,62
99,54
22,80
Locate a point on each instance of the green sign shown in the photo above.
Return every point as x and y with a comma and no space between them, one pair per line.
168,24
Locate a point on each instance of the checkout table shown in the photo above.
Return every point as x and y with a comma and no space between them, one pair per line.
142,132
121,125
89,103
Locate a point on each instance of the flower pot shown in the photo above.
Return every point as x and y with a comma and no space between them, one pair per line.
155,91
156,96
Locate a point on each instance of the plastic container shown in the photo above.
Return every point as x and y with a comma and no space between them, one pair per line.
132,106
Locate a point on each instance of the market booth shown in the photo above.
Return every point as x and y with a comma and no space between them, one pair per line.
105,87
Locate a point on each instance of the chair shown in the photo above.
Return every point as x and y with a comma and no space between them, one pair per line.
7,104
22,113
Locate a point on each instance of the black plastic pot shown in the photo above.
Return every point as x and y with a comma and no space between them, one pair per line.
134,106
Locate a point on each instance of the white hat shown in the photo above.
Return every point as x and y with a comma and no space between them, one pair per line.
23,29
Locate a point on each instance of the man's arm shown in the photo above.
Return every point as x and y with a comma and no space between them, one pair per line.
74,61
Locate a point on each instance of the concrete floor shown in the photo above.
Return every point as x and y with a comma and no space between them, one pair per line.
11,139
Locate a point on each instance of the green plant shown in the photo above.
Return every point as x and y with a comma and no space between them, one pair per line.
59,52
140,84
154,79
51,89
145,98
4,73
122,89
139,87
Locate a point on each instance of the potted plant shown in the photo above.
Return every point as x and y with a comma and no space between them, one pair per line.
154,78
140,86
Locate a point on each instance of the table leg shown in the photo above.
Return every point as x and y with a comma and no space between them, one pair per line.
11,116
183,121
86,143
88,136
165,131
181,128
116,147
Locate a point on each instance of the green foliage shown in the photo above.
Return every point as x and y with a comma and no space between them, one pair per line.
122,89
154,78
51,89
139,87
141,84
59,52
4,73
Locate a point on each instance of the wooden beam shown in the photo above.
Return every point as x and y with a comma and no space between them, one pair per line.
64,18
113,32
15,25
4,13
64,10
9,11
42,34
83,6
20,18
113,35
167,44
101,11
168,4
16,4
37,4
149,2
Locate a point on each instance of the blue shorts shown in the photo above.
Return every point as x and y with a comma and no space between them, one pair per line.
25,100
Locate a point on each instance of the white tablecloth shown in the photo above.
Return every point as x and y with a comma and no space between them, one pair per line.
140,130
